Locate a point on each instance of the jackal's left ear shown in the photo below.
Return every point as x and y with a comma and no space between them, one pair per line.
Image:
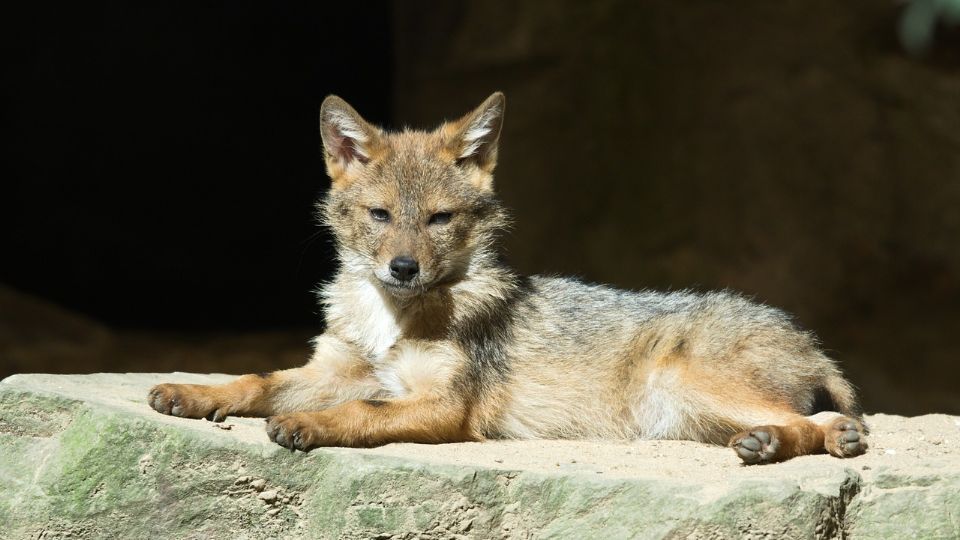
348,139
473,138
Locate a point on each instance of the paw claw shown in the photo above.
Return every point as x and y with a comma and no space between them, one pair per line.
217,416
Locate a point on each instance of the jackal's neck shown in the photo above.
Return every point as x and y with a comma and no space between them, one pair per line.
360,310
487,283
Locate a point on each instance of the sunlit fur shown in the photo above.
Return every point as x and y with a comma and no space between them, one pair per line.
469,350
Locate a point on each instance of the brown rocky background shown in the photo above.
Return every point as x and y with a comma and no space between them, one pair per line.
791,150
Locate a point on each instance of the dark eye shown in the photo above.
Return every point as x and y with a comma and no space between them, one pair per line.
379,214
440,218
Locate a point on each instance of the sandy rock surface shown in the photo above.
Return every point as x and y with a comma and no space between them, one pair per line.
84,456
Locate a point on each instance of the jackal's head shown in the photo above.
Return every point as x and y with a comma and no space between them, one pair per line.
412,210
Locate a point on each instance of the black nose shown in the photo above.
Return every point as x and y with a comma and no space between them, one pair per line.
404,268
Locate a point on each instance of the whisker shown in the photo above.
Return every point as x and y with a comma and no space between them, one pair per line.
306,246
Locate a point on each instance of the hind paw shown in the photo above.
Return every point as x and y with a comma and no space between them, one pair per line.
759,445
844,437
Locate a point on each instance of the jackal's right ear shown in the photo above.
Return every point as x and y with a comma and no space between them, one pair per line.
348,140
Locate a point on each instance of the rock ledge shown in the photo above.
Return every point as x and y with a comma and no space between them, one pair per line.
82,456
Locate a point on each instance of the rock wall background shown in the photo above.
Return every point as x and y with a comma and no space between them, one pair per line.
790,150
165,165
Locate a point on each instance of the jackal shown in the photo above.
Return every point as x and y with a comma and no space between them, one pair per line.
430,338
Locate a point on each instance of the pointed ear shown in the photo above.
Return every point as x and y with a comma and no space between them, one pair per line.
474,137
347,138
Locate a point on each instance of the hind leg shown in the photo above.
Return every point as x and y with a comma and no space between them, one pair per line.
839,435
773,443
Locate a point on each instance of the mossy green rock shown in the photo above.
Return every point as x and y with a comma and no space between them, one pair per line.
82,456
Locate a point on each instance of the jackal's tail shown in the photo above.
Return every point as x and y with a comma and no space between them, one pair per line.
837,394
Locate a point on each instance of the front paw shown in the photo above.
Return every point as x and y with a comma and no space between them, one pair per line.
186,401
298,431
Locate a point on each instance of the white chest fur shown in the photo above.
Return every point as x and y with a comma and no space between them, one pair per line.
418,369
358,313
364,317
